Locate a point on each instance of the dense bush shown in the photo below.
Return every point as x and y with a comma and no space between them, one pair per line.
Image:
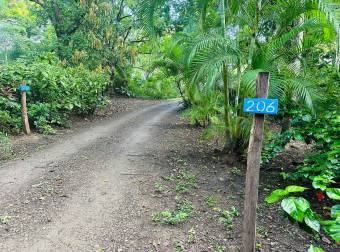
56,92
319,172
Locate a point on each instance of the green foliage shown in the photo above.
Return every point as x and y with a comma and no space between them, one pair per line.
280,194
167,217
312,248
226,217
275,145
321,167
187,181
185,209
158,187
56,92
186,206
211,201
156,87
299,209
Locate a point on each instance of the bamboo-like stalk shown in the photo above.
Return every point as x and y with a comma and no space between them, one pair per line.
225,77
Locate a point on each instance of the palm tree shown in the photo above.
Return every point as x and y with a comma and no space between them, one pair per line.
252,37
172,62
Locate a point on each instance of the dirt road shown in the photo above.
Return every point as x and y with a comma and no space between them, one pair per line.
80,193
98,186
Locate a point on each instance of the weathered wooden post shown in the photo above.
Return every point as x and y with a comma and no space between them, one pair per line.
24,88
259,106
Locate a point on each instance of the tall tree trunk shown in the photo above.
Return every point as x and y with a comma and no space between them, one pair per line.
185,101
228,132
203,15
225,77
238,86
299,42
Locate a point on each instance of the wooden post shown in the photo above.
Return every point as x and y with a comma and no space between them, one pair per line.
253,170
24,115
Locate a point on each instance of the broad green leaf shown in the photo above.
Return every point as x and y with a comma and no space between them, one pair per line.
312,222
302,204
335,211
333,231
333,193
276,196
290,206
317,184
315,249
293,188
321,182
328,222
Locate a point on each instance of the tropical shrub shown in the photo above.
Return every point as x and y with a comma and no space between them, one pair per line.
320,170
56,92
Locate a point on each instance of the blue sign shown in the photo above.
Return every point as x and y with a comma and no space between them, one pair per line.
24,88
261,106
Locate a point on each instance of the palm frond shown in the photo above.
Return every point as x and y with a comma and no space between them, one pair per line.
303,90
277,44
332,10
248,83
146,12
210,62
208,41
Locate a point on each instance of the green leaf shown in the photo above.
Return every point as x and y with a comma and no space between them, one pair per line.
293,188
276,196
312,222
333,231
315,249
302,204
333,193
321,182
317,184
335,211
295,207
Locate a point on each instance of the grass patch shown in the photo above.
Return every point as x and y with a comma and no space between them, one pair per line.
185,210
226,217
188,180
158,187
211,201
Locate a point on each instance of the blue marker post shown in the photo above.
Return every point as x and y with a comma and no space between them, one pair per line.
24,88
259,106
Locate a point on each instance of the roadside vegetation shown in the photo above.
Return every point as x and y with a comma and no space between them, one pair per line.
75,55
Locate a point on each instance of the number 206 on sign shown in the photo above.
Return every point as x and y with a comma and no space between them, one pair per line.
261,106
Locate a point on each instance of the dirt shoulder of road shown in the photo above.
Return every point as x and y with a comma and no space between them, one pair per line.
191,178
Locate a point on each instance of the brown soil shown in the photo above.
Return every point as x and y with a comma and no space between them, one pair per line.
92,188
